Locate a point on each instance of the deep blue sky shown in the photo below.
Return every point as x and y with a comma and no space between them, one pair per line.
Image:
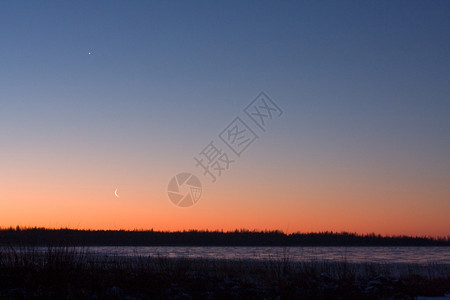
364,86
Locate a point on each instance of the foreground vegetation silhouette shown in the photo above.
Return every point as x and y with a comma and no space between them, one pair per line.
71,273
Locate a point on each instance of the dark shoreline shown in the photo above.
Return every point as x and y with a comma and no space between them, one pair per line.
68,273
44,237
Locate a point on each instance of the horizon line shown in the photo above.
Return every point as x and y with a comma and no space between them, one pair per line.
240,230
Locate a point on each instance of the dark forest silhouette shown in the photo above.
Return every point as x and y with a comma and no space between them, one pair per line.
43,236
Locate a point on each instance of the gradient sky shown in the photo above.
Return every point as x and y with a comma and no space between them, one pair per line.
363,144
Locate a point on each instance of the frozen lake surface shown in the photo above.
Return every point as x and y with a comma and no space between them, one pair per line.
415,255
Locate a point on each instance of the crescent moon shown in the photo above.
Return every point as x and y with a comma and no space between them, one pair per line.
115,193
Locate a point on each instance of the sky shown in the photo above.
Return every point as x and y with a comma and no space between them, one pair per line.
98,97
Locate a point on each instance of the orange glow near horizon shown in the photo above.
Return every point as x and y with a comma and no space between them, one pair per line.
274,206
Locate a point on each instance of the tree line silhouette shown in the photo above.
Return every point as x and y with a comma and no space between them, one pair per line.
43,236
